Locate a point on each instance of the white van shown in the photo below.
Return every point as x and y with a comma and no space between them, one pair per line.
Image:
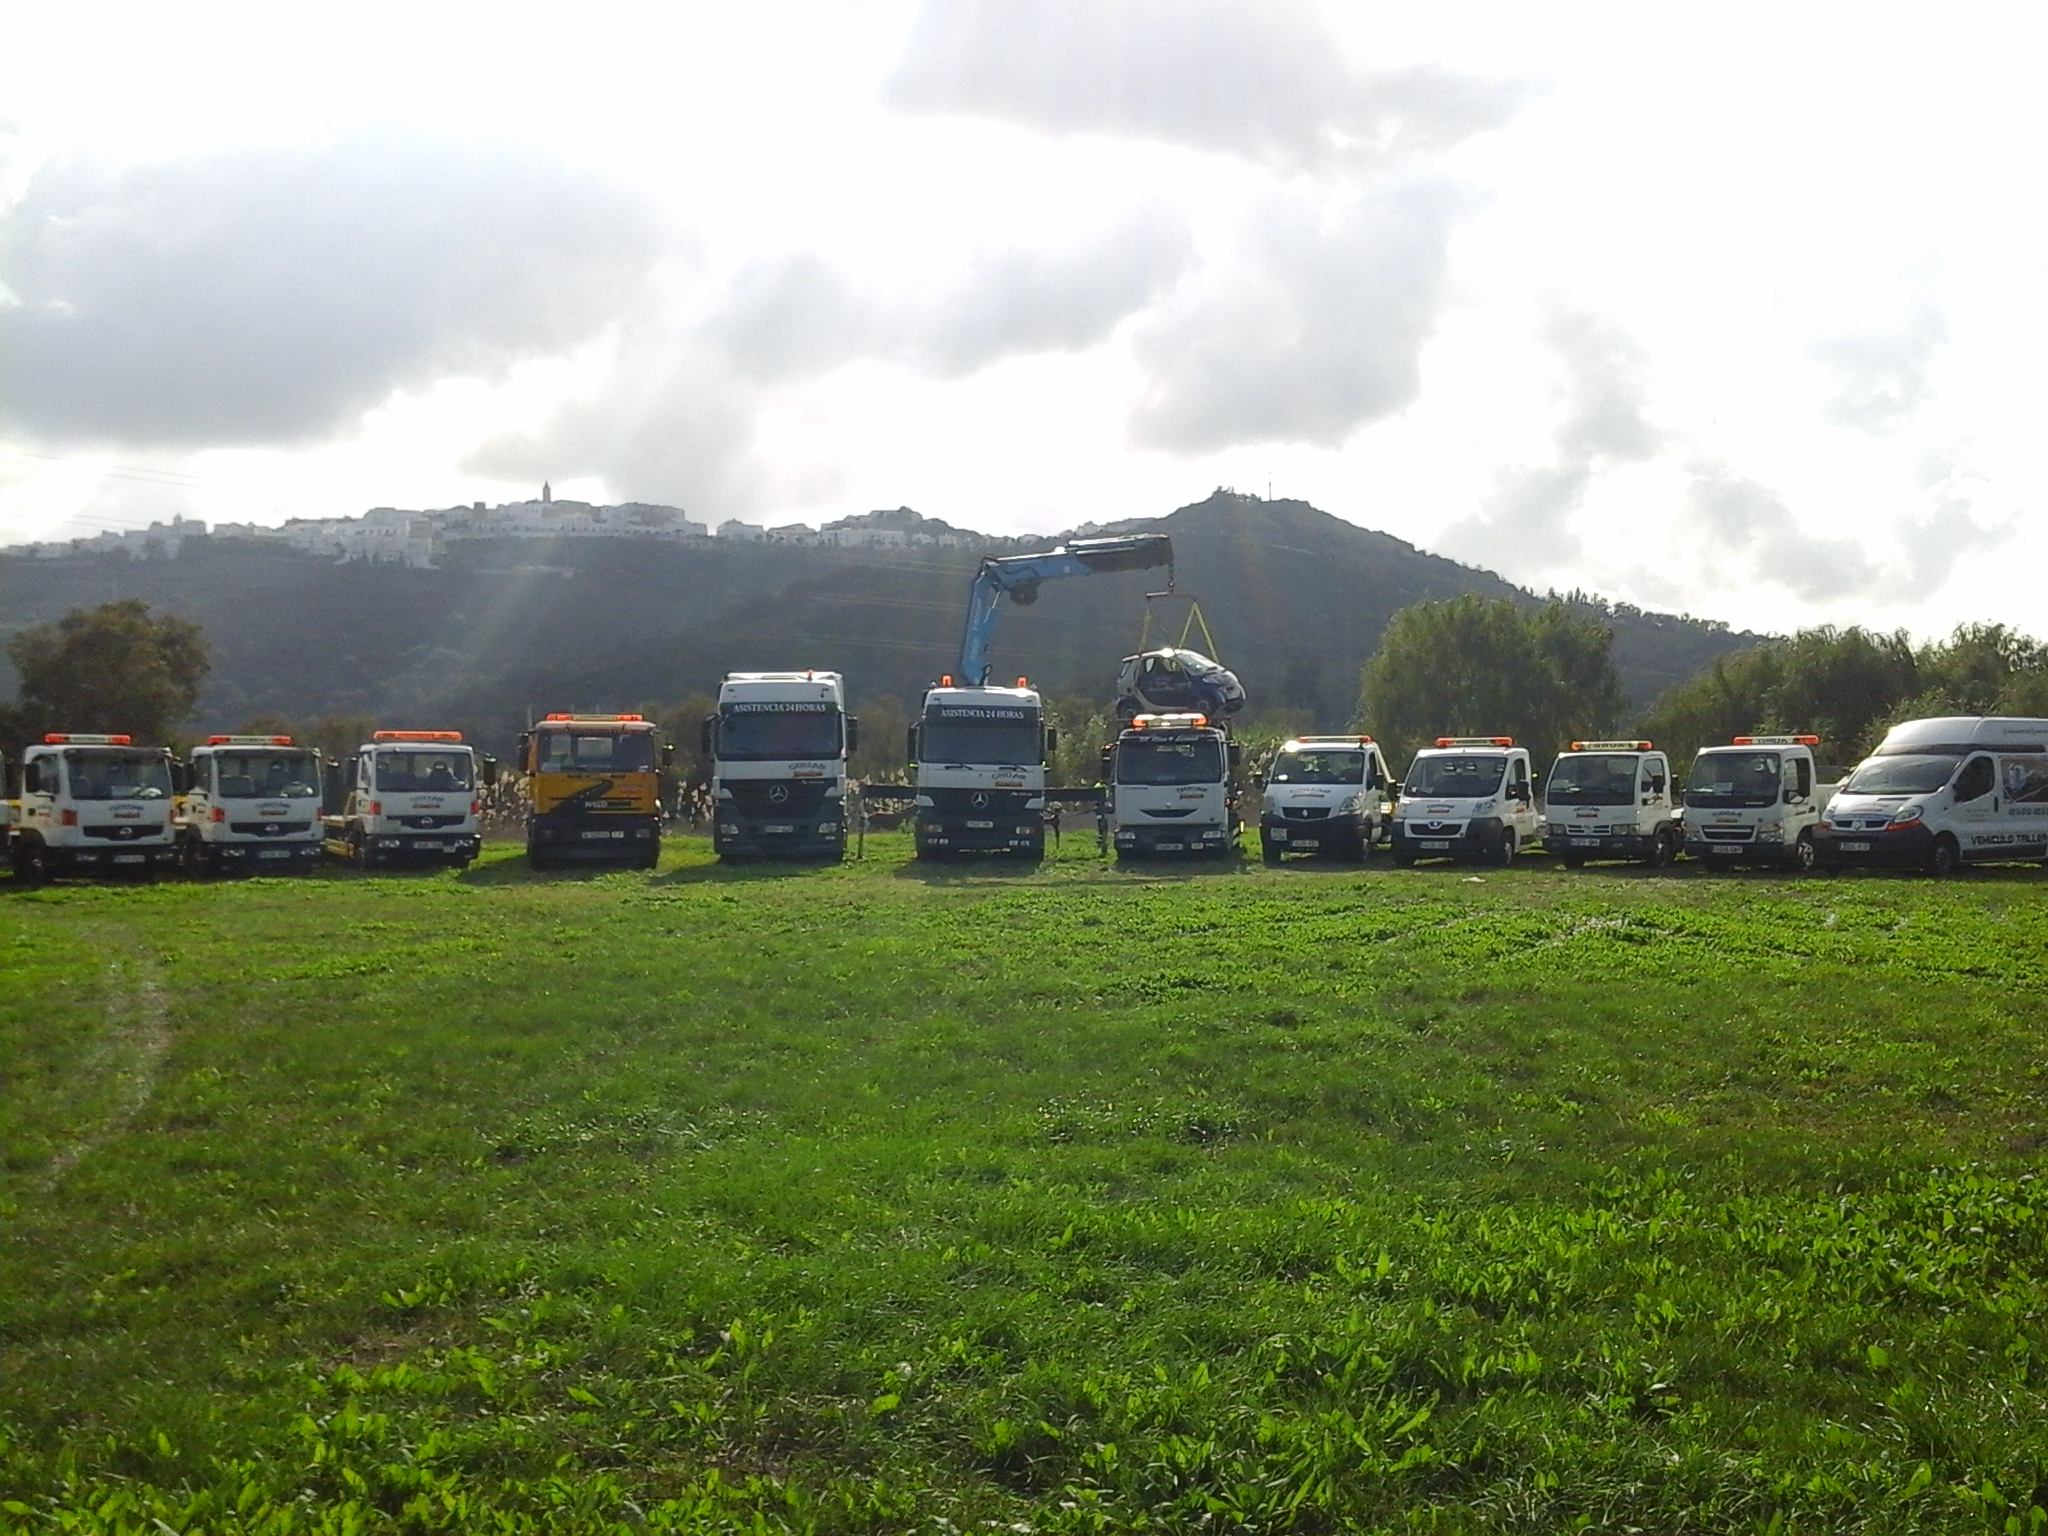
1961,789
1468,797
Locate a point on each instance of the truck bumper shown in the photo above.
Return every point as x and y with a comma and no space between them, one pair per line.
821,836
1475,842
1331,835
112,861
1907,848
1147,841
1739,853
1609,845
417,847
268,855
998,834
594,839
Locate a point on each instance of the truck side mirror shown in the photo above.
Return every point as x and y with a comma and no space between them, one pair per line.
487,769
525,762
1052,741
181,778
1108,753
707,730
910,744
1258,778
852,733
333,790
668,753
1236,756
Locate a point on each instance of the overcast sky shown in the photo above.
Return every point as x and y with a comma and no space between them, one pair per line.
1734,311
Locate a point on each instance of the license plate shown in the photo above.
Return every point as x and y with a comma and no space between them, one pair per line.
1862,847
274,853
1437,844
982,825
1171,847
127,858
1305,842
1724,848
589,837
1584,842
780,827
425,843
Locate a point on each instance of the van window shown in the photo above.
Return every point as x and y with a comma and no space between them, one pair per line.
1798,778
1975,780
2026,780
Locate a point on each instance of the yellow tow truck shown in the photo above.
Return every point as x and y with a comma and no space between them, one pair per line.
595,786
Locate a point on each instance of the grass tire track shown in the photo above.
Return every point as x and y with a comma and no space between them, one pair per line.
131,1052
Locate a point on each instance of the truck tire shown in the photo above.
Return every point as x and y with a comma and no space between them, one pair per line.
1268,852
1944,858
1660,852
31,861
1361,846
1572,860
1504,855
1404,858
1802,854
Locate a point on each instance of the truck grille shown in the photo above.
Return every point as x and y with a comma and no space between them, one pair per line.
777,797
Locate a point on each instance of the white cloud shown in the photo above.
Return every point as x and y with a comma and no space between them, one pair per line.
1881,373
272,296
1267,81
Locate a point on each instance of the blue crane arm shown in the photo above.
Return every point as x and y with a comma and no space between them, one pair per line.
1019,576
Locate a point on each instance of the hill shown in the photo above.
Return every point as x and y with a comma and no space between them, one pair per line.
1297,600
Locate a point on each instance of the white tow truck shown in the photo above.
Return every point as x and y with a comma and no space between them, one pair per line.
1173,788
1468,797
92,804
1755,801
410,797
1611,800
978,757
250,802
778,747
1325,795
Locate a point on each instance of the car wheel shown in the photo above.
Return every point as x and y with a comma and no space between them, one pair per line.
1403,858
1572,860
1660,852
1802,854
1504,855
31,862
1944,857
1268,851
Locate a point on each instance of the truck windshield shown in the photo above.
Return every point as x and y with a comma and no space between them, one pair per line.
1909,773
1318,767
117,775
1734,779
1007,737
1454,778
422,773
1592,778
593,751
267,775
1157,760
755,733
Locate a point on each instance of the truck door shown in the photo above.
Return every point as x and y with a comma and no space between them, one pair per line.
1974,798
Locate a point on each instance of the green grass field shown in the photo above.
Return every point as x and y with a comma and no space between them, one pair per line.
880,1199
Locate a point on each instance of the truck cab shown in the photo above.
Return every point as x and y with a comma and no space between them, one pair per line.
252,803
410,797
594,784
93,804
1173,788
1467,797
1325,795
978,769
1755,801
778,747
1611,800
1941,793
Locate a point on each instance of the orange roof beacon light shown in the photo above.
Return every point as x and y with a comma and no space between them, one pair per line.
417,736
1776,741
1611,746
85,739
1475,741
946,680
1023,682
248,741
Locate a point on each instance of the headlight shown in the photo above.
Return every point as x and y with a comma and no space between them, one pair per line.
924,802
1771,832
1907,816
1351,805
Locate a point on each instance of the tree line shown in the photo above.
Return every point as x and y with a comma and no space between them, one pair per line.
1462,666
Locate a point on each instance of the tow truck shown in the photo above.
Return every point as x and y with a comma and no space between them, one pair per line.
595,786
978,752
1611,800
92,803
1468,797
1324,795
1755,801
250,802
778,748
1173,787
408,797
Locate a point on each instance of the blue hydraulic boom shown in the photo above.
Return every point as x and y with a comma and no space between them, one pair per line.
1019,576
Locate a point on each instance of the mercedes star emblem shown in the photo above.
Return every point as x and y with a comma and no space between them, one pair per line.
779,793
980,801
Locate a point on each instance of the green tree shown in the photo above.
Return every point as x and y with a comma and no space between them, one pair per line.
114,668
1475,666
